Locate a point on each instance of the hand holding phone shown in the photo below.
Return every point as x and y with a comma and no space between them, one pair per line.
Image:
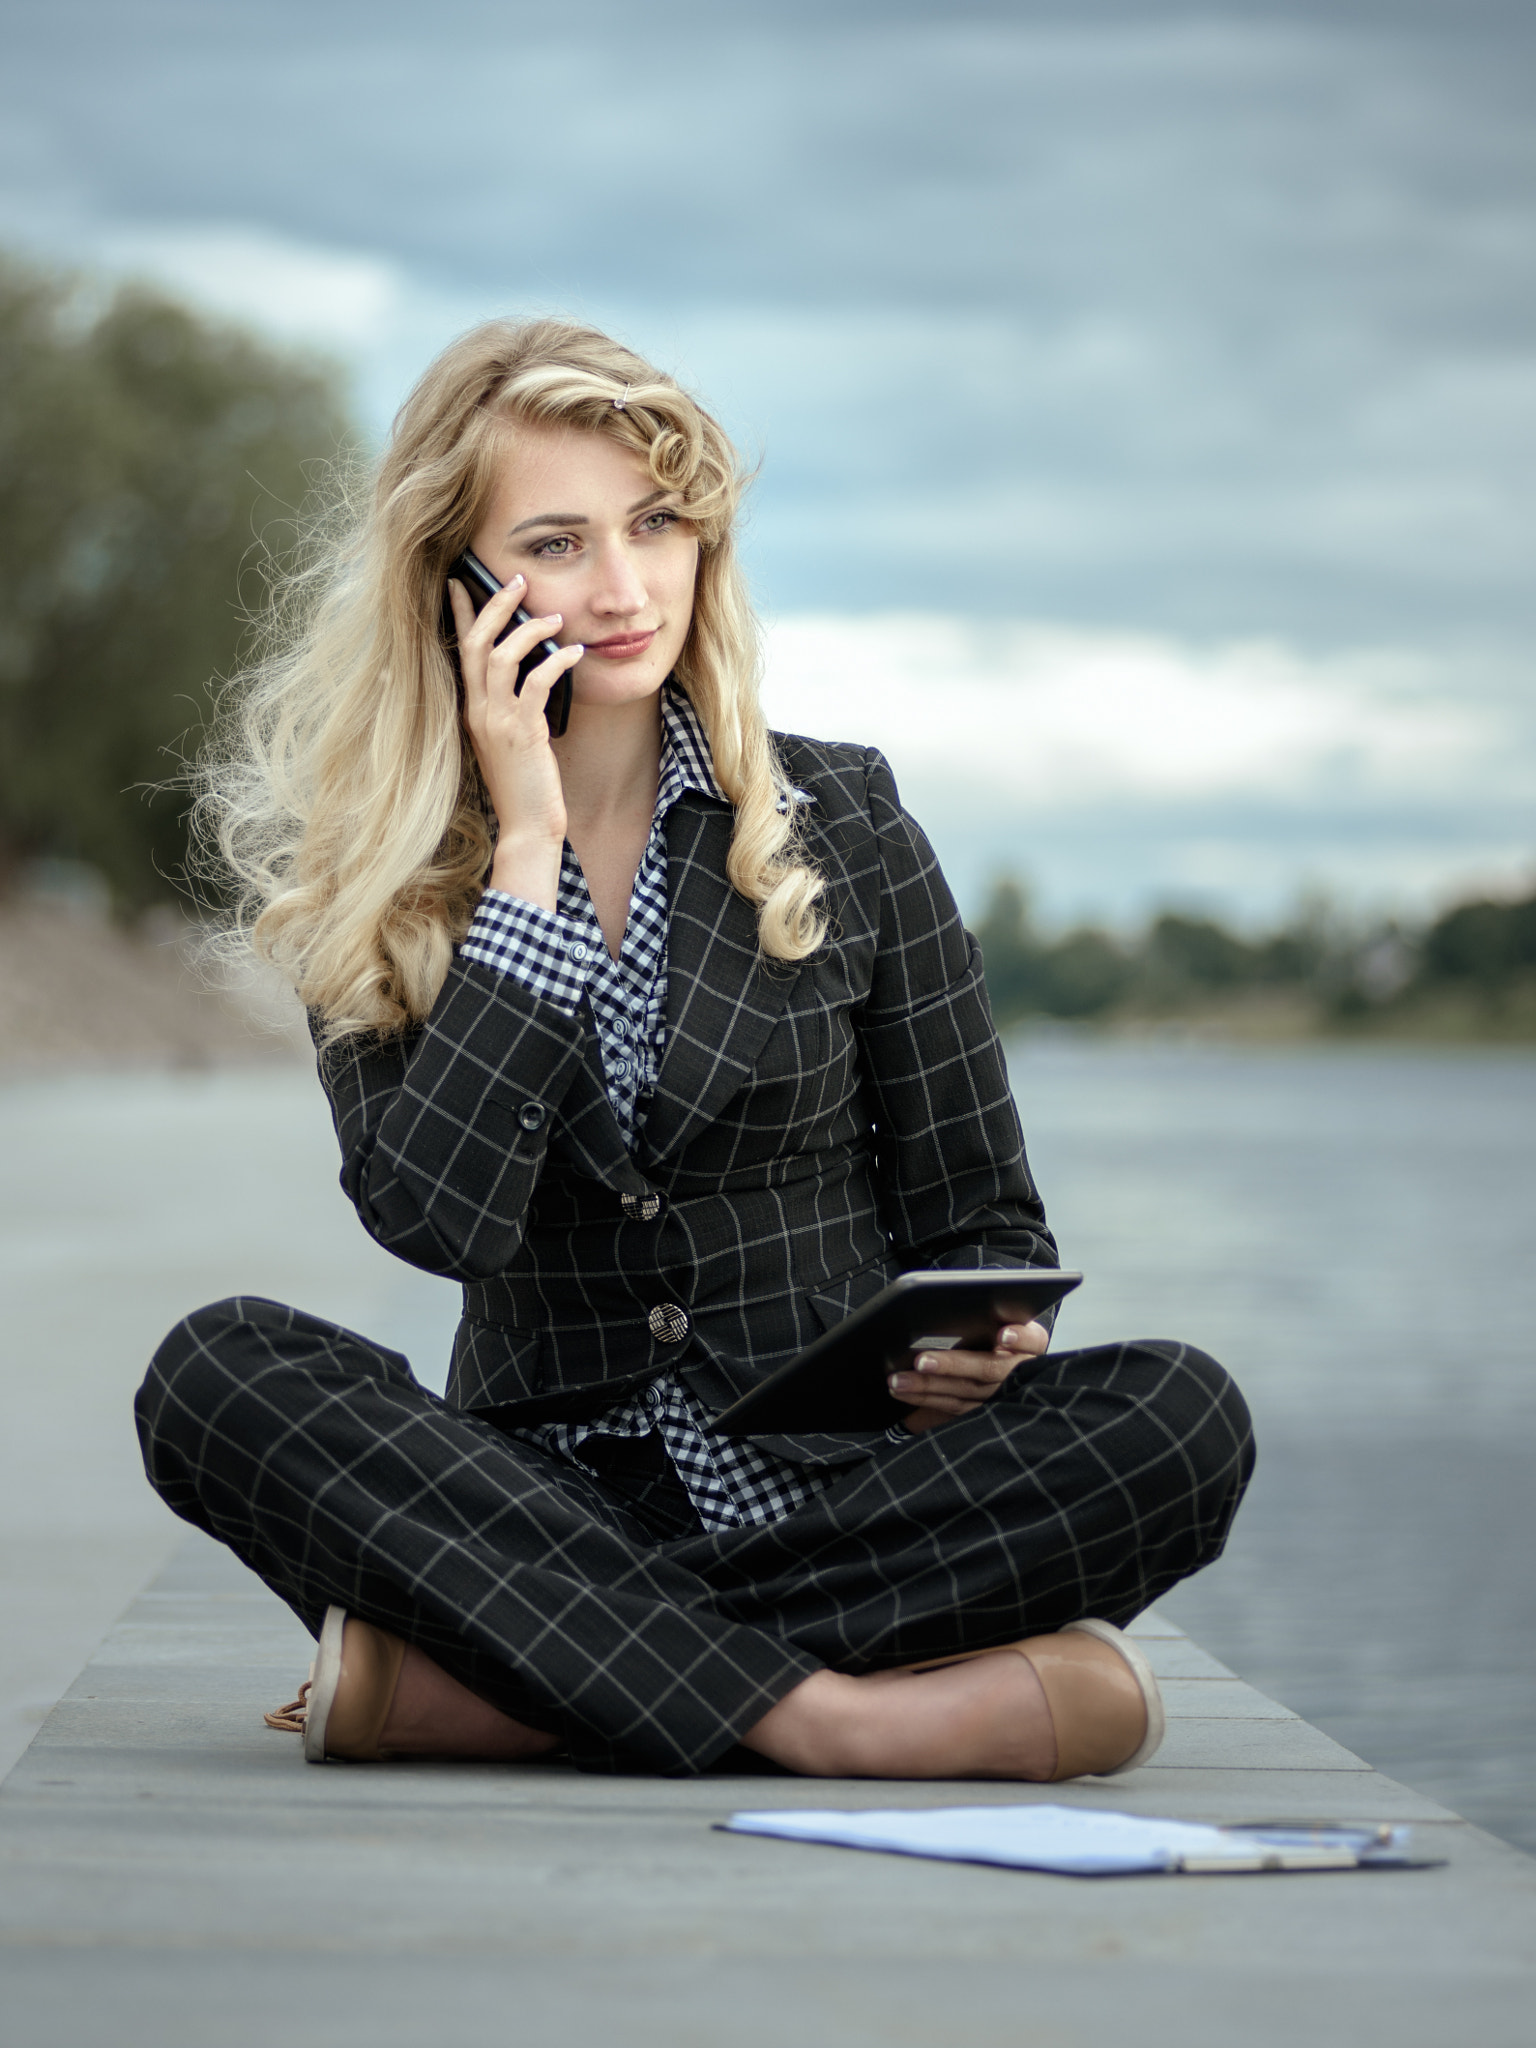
481,587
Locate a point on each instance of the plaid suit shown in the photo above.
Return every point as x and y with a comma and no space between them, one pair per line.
814,1130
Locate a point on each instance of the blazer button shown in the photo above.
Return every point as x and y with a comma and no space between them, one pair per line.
641,1208
531,1116
668,1322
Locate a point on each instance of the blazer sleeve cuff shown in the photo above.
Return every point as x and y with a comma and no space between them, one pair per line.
549,953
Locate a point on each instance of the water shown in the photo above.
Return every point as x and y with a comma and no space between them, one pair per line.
1350,1231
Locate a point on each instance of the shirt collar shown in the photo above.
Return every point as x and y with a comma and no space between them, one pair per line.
685,753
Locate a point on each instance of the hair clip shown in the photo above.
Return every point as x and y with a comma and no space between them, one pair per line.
620,403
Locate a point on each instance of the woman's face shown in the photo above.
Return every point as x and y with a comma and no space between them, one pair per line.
580,517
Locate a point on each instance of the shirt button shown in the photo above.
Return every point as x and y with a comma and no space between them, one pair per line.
578,953
621,1067
668,1323
641,1209
531,1116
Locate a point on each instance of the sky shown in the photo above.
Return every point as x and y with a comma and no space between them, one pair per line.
1145,393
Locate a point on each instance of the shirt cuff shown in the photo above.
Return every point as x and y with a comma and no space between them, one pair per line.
549,953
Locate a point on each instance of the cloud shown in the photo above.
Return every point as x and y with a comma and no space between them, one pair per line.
1207,332
1121,770
294,290
1092,715
1218,323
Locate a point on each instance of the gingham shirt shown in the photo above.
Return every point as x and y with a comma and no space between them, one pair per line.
562,957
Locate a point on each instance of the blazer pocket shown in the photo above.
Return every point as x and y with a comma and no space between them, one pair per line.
836,1299
494,1365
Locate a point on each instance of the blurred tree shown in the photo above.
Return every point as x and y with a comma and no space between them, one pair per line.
1356,975
1009,950
1195,952
1293,955
1084,974
144,453
1487,944
1079,975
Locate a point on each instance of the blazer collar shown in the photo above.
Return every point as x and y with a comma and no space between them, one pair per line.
589,1132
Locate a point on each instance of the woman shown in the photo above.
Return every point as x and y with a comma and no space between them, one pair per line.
664,1037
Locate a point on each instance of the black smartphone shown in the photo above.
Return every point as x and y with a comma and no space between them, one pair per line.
482,587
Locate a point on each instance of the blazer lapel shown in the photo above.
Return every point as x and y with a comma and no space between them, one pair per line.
723,999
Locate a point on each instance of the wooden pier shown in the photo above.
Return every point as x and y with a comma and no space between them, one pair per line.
173,1876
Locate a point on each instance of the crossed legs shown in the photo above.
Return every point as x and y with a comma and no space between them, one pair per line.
544,1596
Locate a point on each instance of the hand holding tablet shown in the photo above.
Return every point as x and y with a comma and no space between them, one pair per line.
841,1381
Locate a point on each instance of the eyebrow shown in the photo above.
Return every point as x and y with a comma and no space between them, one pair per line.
580,518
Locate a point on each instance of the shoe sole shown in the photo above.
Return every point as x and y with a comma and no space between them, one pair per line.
326,1671
1141,1671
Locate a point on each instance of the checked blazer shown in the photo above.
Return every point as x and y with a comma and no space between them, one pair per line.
816,1128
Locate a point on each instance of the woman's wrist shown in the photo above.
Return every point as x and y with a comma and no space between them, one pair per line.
528,869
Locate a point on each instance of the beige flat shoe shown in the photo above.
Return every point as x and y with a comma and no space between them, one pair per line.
1104,1700
343,1704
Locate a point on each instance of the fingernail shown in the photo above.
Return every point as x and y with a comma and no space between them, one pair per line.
894,1383
581,647
924,1364
512,580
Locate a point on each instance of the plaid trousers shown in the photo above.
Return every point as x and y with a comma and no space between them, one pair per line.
582,1602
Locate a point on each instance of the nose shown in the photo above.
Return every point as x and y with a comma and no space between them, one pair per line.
619,591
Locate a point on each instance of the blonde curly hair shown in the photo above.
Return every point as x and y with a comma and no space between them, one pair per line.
340,792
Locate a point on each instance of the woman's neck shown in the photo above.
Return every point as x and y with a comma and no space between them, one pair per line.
610,764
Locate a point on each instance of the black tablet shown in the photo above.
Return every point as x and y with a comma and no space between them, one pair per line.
839,1382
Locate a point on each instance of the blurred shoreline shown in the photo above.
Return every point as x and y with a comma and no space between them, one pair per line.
1266,1018
1467,978
78,991
81,991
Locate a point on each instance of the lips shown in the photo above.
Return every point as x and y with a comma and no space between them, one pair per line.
622,647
